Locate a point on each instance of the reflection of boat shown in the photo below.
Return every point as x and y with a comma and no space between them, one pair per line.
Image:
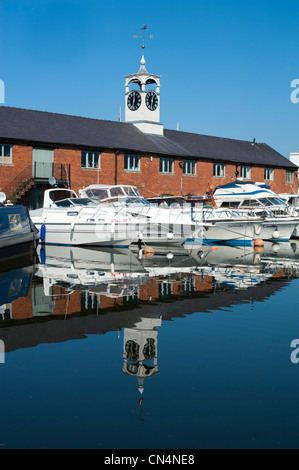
13,285
17,232
68,220
113,272
281,255
231,266
280,220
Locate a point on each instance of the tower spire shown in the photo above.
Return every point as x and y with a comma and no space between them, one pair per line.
142,61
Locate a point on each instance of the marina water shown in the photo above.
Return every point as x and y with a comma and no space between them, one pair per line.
112,349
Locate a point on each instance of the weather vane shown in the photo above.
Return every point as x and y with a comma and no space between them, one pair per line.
143,36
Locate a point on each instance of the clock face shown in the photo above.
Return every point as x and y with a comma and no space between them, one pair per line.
151,100
134,100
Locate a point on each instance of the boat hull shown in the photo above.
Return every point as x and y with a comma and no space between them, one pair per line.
166,233
284,227
17,232
229,232
109,235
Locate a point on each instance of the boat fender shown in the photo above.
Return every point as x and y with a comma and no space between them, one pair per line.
169,236
148,251
42,255
275,234
258,242
42,233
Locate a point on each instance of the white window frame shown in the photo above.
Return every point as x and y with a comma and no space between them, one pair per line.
189,167
2,156
87,155
166,165
131,162
289,176
219,170
269,174
245,172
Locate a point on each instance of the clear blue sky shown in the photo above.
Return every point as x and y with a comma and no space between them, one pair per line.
226,65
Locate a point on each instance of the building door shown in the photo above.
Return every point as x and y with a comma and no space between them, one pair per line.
42,163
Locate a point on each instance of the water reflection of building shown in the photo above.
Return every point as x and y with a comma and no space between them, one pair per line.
140,351
83,281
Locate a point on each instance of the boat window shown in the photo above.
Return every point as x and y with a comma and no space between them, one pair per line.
129,191
137,192
117,191
62,194
83,202
250,202
278,201
136,200
64,203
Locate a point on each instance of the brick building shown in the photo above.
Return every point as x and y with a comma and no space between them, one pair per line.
78,151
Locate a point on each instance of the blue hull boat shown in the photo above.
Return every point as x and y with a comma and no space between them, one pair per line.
17,232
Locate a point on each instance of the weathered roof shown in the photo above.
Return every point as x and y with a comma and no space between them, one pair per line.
40,127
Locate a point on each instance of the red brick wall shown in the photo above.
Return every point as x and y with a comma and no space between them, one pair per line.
21,163
149,179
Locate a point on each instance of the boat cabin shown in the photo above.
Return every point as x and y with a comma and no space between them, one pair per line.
115,194
247,194
60,197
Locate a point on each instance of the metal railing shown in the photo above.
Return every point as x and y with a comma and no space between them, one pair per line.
38,171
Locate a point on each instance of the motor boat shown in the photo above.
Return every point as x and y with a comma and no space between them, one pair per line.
164,225
227,226
292,199
18,234
178,220
249,197
66,219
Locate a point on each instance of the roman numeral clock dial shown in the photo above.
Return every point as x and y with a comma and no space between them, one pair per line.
151,100
134,100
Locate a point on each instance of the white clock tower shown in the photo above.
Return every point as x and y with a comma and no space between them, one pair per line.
143,101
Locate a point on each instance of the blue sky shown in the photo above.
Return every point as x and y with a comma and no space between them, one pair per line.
226,66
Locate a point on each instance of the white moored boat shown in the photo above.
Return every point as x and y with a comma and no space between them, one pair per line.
280,220
228,226
66,219
164,225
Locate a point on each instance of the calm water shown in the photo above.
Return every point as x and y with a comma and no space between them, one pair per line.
113,350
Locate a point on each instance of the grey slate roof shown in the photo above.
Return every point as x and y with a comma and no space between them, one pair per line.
40,127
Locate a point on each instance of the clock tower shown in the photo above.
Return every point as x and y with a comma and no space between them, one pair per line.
143,99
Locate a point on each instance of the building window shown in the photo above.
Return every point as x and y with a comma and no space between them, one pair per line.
90,160
219,170
5,153
245,172
289,176
189,167
166,165
132,162
269,174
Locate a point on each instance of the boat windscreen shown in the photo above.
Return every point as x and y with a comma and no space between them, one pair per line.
83,202
130,191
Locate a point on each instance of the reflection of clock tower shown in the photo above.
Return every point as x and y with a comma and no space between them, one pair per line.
143,100
140,350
